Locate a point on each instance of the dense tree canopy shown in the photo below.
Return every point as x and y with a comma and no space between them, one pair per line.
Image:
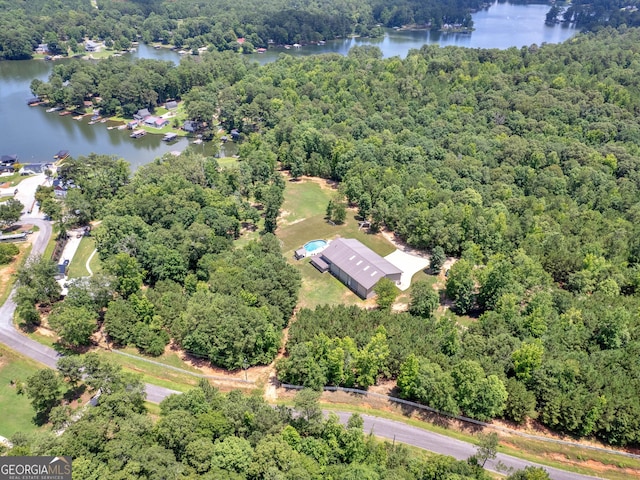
218,25
205,434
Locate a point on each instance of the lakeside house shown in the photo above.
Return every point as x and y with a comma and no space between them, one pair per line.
42,48
190,126
356,265
142,114
91,46
8,159
156,122
33,168
59,189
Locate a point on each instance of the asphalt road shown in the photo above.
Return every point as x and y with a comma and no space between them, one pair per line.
380,427
434,442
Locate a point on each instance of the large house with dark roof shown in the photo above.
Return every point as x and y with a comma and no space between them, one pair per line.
355,265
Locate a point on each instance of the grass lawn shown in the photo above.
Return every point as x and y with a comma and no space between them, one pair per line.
12,180
303,200
78,268
48,252
7,272
302,219
17,412
227,162
323,288
154,374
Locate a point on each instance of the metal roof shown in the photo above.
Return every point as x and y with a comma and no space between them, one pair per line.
359,262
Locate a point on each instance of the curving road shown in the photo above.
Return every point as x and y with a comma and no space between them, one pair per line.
381,427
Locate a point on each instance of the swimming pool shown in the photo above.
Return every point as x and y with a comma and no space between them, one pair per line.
314,246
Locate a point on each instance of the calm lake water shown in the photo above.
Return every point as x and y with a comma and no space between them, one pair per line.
36,135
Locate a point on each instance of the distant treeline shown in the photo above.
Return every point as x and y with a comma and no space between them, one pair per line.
215,24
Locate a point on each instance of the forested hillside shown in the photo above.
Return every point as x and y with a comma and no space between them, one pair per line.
208,23
525,163
204,434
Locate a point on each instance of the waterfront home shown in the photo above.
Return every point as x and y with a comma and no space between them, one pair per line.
42,48
156,122
33,168
142,114
190,126
132,124
91,46
8,159
62,154
59,189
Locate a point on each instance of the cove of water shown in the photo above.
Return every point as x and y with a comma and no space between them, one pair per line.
35,136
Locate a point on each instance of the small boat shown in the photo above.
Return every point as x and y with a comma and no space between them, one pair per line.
92,122
288,47
53,109
122,127
138,134
78,117
62,154
104,120
321,42
170,137
66,112
95,118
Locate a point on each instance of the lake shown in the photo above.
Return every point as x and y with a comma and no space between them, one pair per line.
36,135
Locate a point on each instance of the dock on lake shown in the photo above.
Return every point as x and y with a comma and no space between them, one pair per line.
138,134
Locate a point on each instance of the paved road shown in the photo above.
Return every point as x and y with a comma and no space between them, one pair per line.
442,444
379,426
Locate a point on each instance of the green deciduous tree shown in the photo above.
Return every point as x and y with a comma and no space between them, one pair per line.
45,389
460,285
424,299
10,212
386,293
75,325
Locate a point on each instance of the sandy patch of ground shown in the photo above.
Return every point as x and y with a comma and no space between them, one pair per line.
324,183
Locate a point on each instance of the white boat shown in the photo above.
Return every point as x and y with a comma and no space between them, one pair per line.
53,109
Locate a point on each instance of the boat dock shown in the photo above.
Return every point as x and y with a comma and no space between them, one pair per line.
138,134
170,137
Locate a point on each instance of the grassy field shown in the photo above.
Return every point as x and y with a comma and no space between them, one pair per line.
301,220
52,242
227,162
17,412
78,268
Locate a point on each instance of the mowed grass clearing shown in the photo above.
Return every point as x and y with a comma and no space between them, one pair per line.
78,266
17,413
303,219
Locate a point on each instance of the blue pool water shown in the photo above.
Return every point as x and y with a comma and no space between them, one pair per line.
314,245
